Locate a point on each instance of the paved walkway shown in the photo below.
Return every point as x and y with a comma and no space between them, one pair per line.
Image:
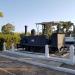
47,64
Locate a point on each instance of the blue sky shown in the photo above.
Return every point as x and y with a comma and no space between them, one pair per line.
29,12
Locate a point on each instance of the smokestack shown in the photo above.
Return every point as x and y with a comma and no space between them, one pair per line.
25,29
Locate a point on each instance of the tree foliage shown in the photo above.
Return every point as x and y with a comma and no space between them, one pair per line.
74,31
48,30
1,14
65,26
9,38
61,27
23,34
8,28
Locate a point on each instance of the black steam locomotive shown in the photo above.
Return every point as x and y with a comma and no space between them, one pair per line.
36,43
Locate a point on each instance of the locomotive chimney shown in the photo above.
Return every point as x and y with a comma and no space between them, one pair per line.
25,29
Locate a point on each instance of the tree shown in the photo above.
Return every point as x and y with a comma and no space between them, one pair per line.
8,28
9,38
74,31
61,27
1,14
67,26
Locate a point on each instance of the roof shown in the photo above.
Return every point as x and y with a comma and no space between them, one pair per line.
53,23
50,23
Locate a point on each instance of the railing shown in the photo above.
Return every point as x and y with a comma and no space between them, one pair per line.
70,60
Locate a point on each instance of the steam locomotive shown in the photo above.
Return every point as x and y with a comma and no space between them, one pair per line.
36,43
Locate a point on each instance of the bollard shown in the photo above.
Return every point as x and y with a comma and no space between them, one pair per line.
4,46
72,52
12,47
46,51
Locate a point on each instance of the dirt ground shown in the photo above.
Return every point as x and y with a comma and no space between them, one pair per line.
11,67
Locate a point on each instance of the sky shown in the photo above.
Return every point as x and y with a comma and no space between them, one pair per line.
29,12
